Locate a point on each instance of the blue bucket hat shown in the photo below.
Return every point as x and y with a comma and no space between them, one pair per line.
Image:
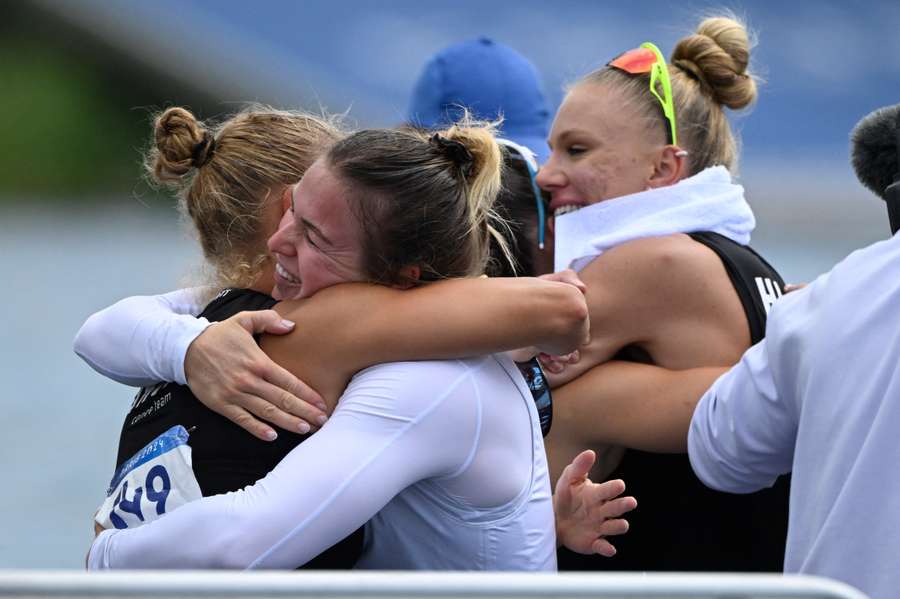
489,79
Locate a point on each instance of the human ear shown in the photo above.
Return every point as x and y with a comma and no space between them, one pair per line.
409,275
287,198
670,167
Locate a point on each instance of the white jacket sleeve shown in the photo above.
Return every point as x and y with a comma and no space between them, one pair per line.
744,428
142,340
397,424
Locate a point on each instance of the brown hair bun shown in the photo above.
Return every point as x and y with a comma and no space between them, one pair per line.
181,143
717,56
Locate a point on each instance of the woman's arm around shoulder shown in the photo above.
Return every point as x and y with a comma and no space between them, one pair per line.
142,340
386,435
348,327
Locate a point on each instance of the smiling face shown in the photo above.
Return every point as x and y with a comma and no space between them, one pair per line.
318,241
602,148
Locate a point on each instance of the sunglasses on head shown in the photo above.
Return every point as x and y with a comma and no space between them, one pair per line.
648,59
531,165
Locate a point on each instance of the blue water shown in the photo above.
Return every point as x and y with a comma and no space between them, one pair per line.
61,421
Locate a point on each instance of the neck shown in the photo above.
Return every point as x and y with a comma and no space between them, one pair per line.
265,281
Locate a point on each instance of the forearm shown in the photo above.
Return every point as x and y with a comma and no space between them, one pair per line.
175,541
634,405
325,488
481,316
143,339
448,319
284,520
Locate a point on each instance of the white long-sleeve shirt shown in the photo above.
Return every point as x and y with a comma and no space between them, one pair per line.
142,340
820,397
449,455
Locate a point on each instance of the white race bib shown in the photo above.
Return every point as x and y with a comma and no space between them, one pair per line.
154,481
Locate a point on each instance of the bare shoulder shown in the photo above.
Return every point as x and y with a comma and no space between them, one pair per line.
672,260
669,295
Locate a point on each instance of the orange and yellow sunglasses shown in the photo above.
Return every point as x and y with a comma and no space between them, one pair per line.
648,59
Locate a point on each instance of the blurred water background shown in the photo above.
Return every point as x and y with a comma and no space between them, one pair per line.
79,230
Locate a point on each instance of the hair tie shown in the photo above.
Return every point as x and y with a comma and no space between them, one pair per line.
455,150
203,151
693,71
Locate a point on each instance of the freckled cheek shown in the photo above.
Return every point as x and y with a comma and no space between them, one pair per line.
614,177
591,184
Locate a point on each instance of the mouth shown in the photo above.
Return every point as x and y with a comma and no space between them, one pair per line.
284,274
568,209
561,211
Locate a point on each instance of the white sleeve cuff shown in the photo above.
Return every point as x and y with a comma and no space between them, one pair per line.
174,347
142,340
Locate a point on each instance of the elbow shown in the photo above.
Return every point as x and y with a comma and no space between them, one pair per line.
102,326
713,464
86,338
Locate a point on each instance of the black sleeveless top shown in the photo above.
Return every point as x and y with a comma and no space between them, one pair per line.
680,524
225,457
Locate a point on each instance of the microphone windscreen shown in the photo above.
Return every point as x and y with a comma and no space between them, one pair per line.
873,149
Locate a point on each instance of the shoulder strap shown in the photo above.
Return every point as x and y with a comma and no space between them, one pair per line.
757,283
231,301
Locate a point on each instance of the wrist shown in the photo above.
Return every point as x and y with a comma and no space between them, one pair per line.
181,345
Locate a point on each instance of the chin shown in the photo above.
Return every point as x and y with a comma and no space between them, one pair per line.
292,293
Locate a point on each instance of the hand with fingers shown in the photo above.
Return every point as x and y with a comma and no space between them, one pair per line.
566,276
790,287
555,365
587,512
582,335
232,376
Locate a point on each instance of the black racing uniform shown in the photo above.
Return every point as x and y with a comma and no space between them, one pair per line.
680,524
225,457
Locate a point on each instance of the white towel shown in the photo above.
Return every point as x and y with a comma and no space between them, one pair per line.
708,201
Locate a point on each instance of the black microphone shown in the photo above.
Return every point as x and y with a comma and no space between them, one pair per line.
873,153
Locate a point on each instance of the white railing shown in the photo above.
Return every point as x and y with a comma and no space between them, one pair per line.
407,585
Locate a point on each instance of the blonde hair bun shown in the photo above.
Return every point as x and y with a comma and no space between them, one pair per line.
484,182
479,139
717,56
181,143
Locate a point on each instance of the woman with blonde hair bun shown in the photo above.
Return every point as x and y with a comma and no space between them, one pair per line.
225,175
647,211
448,454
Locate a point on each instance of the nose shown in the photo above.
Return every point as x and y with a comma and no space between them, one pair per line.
550,176
280,241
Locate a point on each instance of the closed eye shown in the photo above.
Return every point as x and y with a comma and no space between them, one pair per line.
309,239
575,150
